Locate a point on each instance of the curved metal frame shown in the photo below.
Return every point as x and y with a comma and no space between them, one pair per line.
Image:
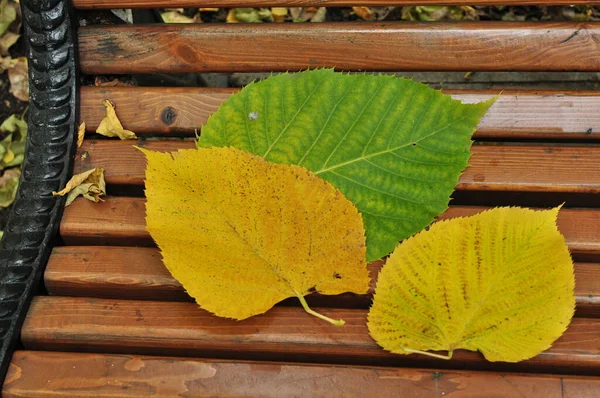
35,217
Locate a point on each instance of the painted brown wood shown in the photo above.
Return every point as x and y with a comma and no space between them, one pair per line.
139,274
521,168
281,334
42,374
107,4
121,221
514,115
382,46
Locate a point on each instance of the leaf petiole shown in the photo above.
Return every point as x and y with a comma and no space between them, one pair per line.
430,354
339,322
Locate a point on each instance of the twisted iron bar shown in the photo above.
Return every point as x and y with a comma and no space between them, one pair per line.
33,222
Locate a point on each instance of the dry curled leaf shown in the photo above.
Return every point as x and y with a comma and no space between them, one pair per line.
499,282
19,79
90,184
80,134
242,234
9,182
7,40
110,126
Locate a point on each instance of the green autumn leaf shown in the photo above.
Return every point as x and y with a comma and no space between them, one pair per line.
394,147
8,14
12,147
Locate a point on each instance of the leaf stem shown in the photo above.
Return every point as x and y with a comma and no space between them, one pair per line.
446,357
339,322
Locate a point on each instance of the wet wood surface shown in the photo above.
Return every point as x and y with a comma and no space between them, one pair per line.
48,374
138,274
521,168
381,46
282,334
180,111
121,221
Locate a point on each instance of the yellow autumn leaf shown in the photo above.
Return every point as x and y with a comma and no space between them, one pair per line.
241,234
80,134
110,126
89,184
499,282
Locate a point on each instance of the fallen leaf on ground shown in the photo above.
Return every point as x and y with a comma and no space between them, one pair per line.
499,282
312,14
7,40
8,14
90,184
12,147
177,17
242,234
279,13
9,182
80,134
100,81
19,79
363,12
110,126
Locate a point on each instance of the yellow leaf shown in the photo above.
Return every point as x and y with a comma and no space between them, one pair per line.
500,282
242,234
363,12
110,126
80,134
90,184
279,13
8,157
231,18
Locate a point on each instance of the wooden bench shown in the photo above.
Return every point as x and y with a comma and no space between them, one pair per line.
109,320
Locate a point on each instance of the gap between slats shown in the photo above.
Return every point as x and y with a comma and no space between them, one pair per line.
382,46
522,168
515,114
41,374
139,274
281,334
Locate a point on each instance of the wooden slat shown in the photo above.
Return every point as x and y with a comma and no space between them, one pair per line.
42,374
515,114
283,334
121,221
139,274
107,4
521,168
382,46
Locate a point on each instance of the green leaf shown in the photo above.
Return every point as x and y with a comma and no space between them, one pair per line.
8,14
394,147
12,147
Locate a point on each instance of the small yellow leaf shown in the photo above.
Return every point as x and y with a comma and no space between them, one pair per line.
242,234
110,126
279,13
363,12
80,134
8,157
90,184
231,18
500,282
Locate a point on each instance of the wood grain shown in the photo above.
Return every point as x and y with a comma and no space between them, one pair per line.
519,168
139,274
382,46
281,334
514,115
108,4
121,221
44,374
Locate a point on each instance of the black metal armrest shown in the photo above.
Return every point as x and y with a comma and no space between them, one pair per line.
35,217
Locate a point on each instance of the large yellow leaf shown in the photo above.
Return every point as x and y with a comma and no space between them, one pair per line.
500,282
242,234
